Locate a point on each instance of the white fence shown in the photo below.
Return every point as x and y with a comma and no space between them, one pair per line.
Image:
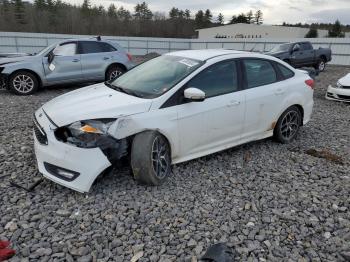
33,42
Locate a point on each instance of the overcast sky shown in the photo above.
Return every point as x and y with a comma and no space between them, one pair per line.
275,11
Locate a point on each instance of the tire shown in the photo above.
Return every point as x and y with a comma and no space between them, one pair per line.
288,125
145,162
23,83
114,71
321,65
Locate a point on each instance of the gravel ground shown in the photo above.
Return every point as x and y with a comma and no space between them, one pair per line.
269,201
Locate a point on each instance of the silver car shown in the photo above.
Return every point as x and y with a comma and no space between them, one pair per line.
70,61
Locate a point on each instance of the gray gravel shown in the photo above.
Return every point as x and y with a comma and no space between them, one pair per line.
271,202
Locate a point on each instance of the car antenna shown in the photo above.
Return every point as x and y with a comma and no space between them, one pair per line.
98,38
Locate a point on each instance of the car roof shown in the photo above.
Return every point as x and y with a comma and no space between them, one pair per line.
205,54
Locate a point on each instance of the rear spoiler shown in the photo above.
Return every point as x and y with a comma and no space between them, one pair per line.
313,73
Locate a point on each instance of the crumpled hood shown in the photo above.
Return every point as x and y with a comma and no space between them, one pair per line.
93,102
345,81
8,60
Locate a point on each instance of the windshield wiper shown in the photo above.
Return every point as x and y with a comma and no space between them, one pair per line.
121,89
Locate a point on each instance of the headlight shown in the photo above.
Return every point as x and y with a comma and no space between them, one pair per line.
87,133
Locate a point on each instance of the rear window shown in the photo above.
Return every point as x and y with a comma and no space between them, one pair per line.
286,73
90,47
259,72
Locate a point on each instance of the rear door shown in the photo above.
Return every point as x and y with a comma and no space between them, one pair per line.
265,92
66,66
95,58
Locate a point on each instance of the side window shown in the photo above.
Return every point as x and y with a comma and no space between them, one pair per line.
90,47
306,46
286,73
217,79
259,72
65,49
105,47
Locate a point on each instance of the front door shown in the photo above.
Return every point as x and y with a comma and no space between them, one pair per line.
218,120
66,65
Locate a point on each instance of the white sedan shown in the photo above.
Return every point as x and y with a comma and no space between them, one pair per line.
171,109
341,92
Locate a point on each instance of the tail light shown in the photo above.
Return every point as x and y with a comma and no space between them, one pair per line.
310,83
129,56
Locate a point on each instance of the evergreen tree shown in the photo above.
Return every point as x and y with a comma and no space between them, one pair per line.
187,14
40,4
250,17
142,12
240,19
258,17
112,11
86,8
336,30
19,12
199,19
221,19
313,33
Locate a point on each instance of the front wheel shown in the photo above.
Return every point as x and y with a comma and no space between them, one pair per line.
150,158
23,83
288,125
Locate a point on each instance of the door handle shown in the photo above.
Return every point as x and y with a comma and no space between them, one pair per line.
106,58
76,60
234,103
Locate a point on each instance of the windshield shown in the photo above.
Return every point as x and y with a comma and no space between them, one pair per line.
281,48
155,77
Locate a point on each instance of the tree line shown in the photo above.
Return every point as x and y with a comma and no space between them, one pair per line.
56,16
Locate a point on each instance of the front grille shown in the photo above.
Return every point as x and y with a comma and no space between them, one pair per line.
346,87
39,133
344,97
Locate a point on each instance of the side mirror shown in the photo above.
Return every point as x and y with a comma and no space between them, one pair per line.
194,94
50,57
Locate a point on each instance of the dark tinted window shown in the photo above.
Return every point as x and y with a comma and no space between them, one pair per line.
217,79
286,73
107,47
306,46
259,72
90,47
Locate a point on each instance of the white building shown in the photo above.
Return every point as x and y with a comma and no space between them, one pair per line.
255,31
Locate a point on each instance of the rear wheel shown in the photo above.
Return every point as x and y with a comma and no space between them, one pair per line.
23,83
321,65
150,158
114,71
288,125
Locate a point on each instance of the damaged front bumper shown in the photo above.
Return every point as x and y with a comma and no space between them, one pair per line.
3,80
338,94
68,165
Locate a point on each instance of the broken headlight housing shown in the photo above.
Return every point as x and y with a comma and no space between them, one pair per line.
86,133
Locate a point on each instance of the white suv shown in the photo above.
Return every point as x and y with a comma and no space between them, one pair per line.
171,109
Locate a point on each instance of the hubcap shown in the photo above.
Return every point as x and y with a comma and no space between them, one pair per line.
115,74
160,157
290,125
23,83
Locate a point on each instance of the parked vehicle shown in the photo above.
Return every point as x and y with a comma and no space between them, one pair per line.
342,90
302,54
70,61
171,109
2,55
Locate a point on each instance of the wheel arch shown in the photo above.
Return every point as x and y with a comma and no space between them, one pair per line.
40,81
301,110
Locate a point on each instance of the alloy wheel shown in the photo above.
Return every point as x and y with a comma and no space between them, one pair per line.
23,84
290,124
321,66
160,157
114,74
